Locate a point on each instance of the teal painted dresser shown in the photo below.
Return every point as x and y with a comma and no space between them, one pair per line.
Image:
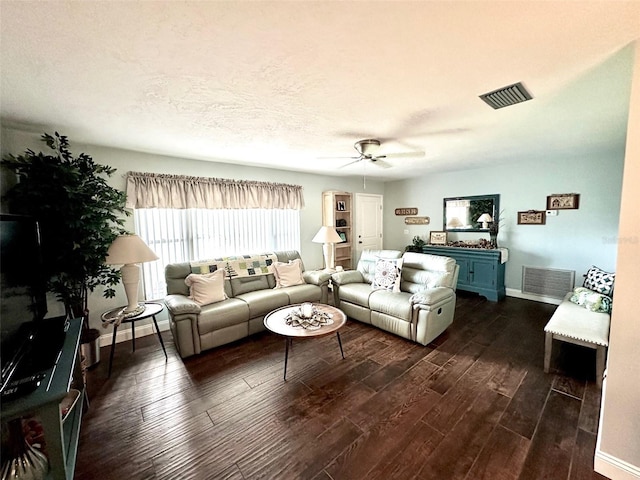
481,270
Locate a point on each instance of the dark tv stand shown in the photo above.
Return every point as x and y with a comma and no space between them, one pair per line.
61,434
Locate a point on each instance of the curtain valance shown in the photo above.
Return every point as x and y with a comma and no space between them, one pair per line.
150,190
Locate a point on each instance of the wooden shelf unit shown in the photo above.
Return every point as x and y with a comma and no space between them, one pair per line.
337,209
61,433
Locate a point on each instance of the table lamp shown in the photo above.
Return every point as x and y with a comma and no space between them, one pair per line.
128,251
485,218
327,236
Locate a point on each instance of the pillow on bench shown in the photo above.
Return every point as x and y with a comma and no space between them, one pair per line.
592,301
599,281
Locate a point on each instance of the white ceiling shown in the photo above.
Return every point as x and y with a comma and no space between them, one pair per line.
279,84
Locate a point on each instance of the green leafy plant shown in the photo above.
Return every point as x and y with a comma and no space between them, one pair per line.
79,216
417,245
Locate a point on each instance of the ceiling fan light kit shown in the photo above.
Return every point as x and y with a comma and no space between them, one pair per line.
367,146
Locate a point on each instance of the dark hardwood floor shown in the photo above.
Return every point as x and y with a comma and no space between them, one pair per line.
475,404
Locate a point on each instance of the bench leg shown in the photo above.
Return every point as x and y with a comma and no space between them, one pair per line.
601,353
548,342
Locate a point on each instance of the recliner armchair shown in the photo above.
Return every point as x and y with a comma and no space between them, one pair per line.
423,308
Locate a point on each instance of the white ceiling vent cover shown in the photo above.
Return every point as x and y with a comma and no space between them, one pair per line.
548,282
506,96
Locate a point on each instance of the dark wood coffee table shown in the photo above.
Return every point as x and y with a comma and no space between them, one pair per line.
275,322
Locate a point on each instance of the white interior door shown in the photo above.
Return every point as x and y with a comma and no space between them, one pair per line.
368,223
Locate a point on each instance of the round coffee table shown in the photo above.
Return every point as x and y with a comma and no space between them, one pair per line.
276,322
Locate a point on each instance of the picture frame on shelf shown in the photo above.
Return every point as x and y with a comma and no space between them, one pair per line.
532,217
343,236
437,238
340,206
563,201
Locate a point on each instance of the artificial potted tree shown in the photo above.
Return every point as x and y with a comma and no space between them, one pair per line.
79,216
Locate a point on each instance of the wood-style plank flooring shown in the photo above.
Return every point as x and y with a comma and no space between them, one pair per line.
475,404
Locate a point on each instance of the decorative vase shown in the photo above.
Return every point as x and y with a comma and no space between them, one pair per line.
494,240
25,462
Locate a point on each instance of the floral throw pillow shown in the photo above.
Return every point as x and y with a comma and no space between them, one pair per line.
599,281
387,274
593,301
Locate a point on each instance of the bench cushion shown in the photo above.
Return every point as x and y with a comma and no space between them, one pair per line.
574,321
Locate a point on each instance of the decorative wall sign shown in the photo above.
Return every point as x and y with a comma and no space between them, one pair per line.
406,211
532,217
416,221
563,201
438,238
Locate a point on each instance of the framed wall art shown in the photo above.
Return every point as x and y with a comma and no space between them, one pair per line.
532,217
438,238
563,201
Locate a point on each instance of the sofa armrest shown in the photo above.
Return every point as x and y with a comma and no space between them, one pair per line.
430,297
179,304
316,277
347,276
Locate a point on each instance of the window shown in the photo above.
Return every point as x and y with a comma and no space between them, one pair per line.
182,235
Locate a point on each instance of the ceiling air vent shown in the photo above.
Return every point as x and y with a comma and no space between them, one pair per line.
506,96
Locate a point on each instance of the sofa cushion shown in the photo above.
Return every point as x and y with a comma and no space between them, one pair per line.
242,285
303,293
387,274
422,270
206,288
357,293
599,281
262,302
222,314
393,304
288,274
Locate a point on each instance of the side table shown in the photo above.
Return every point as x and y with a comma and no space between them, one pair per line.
111,316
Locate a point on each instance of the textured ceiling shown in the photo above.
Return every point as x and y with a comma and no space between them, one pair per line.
280,84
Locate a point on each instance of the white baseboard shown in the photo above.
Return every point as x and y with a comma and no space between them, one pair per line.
614,468
124,334
512,292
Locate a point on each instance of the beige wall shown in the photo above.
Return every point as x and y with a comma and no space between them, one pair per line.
618,451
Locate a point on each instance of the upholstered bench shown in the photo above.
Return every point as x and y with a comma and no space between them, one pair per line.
575,324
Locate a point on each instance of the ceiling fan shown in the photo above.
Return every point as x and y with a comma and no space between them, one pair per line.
367,149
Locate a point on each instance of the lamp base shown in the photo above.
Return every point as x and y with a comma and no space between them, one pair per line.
133,313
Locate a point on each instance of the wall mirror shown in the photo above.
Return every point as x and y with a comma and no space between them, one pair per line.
464,214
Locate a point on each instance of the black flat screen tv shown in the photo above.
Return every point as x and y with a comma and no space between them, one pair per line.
23,302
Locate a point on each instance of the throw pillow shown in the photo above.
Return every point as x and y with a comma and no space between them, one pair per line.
388,274
288,274
593,301
599,281
206,288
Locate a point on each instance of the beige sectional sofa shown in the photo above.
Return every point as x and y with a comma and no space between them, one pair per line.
197,328
420,311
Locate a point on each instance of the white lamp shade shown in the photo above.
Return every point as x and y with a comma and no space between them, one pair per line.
127,249
485,217
327,235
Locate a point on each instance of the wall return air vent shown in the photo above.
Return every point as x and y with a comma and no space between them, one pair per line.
506,96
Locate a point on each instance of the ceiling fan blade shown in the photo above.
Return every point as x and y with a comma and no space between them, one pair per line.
359,159
380,163
339,158
401,155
